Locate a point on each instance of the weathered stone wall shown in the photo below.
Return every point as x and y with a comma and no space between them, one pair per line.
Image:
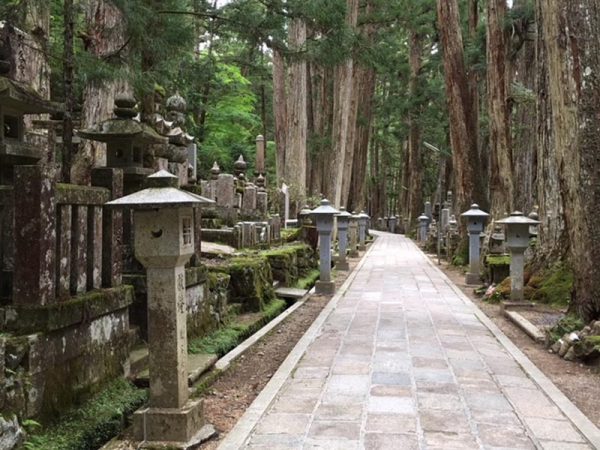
83,343
291,262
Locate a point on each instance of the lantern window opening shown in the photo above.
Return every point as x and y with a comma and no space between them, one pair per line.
11,127
186,227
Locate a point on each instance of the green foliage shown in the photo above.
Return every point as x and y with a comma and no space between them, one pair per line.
93,423
567,324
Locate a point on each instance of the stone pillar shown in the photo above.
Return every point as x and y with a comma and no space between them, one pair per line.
393,221
428,212
35,236
249,199
353,235
260,155
262,203
363,220
112,226
517,267
225,191
285,200
474,256
423,219
445,217
342,227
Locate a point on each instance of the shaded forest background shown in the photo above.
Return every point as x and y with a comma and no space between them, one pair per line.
375,104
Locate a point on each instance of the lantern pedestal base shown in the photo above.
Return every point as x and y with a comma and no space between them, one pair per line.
473,279
362,247
353,254
180,427
325,287
342,265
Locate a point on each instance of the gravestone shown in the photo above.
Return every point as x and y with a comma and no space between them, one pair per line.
225,190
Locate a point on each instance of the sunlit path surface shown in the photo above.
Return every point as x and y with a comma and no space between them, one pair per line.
404,362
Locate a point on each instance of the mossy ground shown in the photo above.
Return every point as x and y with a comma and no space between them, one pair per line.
553,286
225,339
93,423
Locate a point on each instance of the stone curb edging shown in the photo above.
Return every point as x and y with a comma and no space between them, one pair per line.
572,412
226,360
236,438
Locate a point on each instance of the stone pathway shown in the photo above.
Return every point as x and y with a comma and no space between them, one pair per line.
402,360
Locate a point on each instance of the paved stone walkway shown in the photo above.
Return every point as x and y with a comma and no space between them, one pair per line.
403,362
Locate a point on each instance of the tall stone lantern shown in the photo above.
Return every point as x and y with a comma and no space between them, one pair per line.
363,220
393,221
323,216
476,219
517,241
343,218
164,242
423,222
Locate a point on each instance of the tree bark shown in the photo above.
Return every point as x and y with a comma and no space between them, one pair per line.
68,80
279,112
343,83
573,49
463,129
498,79
294,172
414,183
106,36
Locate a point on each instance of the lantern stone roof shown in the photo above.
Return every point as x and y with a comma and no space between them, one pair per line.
343,213
21,97
517,217
120,128
324,209
474,212
162,194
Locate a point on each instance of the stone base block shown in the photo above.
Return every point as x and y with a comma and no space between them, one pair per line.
362,247
353,254
168,424
325,287
342,265
473,279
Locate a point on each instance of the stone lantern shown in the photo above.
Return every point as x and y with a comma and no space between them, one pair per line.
126,142
323,216
343,219
393,221
17,101
215,170
497,240
423,222
363,220
164,242
353,235
517,241
476,219
533,229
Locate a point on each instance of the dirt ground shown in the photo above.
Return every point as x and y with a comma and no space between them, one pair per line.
230,396
580,383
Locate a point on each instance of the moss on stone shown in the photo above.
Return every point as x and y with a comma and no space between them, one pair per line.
553,286
251,282
309,280
498,260
225,339
93,423
71,312
567,324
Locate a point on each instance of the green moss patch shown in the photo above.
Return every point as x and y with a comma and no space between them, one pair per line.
291,234
553,286
94,422
309,280
498,260
227,338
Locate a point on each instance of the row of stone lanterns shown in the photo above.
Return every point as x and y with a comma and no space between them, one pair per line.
517,228
324,217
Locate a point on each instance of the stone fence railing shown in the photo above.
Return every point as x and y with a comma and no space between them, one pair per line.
64,241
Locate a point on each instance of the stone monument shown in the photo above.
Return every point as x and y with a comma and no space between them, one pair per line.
164,242
323,216
475,221
343,218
